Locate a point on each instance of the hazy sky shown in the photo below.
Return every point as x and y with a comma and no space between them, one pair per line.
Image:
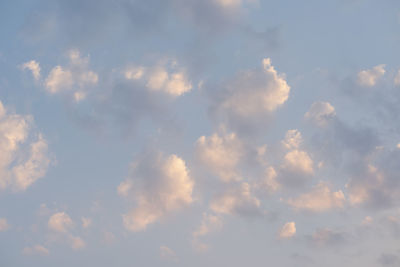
199,133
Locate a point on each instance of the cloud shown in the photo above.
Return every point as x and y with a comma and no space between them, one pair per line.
4,226
23,152
319,199
288,230
34,67
298,161
269,182
166,78
86,222
321,113
36,250
221,155
297,165
60,222
369,78
77,243
162,185
75,80
293,139
326,237
168,254
396,80
251,96
237,201
210,223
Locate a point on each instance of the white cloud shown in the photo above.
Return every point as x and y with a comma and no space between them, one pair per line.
4,226
75,79
23,152
369,78
60,222
229,3
320,199
36,249
34,67
77,243
237,201
86,222
397,79
255,92
210,223
163,185
269,182
298,161
293,139
125,188
362,188
321,113
288,230
220,154
163,77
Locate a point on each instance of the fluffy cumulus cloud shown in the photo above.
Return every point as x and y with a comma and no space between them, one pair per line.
238,200
397,79
320,113
60,222
297,165
74,80
161,185
4,226
376,186
24,152
221,155
319,199
269,181
210,223
77,243
165,77
288,230
253,94
370,77
297,160
62,228
34,67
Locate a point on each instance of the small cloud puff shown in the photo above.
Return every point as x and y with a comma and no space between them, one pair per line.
36,250
60,222
162,185
24,153
320,113
239,201
4,226
319,199
162,77
221,154
288,230
34,67
370,77
75,79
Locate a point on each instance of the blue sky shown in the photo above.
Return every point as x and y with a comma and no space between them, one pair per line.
199,133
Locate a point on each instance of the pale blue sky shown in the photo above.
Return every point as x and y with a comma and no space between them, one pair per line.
199,133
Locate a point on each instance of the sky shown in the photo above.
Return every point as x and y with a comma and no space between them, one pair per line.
199,133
